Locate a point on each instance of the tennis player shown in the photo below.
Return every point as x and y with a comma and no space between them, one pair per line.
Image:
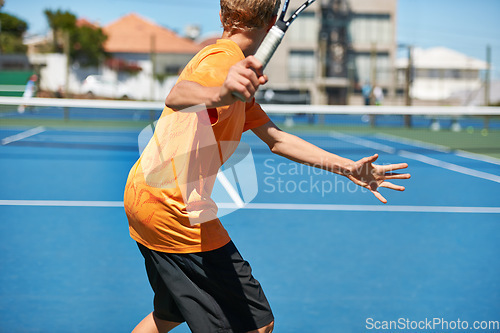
29,91
197,274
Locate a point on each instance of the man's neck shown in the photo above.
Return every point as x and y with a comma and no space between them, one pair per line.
248,41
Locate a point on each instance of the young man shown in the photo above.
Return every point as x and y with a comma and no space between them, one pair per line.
195,270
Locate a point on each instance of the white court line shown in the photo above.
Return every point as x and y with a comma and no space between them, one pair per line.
23,135
373,208
363,142
449,166
439,148
413,142
12,87
86,138
61,203
478,157
417,157
230,189
271,206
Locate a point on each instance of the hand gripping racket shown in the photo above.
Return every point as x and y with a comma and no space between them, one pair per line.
275,36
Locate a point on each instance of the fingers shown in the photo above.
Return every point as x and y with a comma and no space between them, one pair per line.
253,63
251,69
245,77
369,159
242,83
372,177
392,186
364,165
263,79
379,196
391,175
247,81
388,185
392,167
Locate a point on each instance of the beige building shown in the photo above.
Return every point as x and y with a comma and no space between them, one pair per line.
331,50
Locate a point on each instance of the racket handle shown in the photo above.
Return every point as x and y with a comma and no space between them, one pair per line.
266,50
269,45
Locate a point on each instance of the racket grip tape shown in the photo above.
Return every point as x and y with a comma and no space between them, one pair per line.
266,50
269,45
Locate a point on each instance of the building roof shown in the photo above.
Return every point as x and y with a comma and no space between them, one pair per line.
442,58
134,34
83,22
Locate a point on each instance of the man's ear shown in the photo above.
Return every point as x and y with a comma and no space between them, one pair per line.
220,17
272,22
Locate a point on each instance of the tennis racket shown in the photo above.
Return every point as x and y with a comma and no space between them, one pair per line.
275,36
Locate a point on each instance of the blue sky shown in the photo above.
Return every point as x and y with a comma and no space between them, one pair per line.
463,25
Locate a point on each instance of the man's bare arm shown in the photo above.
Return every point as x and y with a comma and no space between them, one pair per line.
244,78
363,172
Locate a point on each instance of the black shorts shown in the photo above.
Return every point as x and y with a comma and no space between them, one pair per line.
212,291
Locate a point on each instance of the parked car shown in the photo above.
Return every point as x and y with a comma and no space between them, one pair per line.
100,86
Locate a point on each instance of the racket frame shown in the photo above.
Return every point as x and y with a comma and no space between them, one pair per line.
274,37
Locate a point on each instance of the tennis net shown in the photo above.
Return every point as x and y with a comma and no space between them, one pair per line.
473,129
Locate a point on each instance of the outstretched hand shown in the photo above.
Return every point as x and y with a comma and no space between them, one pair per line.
370,176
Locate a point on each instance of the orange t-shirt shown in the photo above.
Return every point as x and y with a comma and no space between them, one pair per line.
167,195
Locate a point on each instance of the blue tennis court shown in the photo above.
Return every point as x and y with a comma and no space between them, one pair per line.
330,257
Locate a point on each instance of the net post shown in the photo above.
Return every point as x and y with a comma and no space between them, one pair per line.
321,120
408,85
372,121
66,114
407,120
486,123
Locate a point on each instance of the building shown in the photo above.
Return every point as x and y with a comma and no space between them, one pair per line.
145,59
133,38
331,50
441,74
151,52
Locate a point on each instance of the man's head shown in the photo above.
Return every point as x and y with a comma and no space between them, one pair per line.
247,14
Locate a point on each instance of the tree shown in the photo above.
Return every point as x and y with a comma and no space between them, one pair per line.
11,34
60,22
86,42
87,45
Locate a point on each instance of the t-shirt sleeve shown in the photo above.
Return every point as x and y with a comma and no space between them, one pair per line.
212,69
254,116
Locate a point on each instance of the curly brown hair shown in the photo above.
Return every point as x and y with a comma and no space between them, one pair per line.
247,14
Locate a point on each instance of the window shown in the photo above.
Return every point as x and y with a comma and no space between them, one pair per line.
304,29
422,73
302,65
365,29
434,73
471,74
364,68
